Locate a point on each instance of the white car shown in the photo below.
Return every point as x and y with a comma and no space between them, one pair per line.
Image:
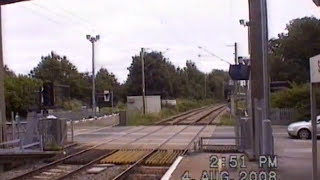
303,129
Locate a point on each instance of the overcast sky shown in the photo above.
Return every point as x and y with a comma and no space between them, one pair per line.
33,29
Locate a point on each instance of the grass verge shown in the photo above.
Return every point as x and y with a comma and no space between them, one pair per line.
227,120
167,111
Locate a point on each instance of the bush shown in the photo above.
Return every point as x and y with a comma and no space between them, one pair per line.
119,107
73,105
167,111
227,120
298,97
185,104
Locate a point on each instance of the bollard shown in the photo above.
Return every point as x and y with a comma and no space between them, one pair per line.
267,138
123,118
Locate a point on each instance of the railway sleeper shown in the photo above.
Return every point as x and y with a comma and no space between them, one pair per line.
86,157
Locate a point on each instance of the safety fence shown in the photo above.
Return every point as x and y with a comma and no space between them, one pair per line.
283,116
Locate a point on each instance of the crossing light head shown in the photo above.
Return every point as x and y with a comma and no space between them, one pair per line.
88,37
97,37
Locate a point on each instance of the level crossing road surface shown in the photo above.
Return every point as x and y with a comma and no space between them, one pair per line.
148,137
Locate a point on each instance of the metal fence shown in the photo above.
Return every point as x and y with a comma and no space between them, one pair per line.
53,132
283,116
23,134
76,115
15,130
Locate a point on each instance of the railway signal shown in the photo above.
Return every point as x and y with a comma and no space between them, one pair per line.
47,94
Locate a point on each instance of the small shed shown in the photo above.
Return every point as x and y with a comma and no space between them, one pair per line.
152,103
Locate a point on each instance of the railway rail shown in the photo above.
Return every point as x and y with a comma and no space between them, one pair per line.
193,117
70,165
49,169
171,120
152,156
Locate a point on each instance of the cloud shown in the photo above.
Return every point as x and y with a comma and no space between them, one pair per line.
32,29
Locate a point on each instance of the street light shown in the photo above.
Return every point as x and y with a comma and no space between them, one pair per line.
93,39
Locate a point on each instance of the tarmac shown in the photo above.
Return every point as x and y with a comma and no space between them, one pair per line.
294,156
294,160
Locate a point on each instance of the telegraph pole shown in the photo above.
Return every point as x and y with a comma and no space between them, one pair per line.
205,85
93,39
2,100
235,82
235,94
234,105
259,84
143,81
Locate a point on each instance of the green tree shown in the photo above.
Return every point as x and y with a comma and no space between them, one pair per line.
290,52
105,80
217,84
159,76
59,70
8,72
193,81
85,88
298,97
21,93
163,78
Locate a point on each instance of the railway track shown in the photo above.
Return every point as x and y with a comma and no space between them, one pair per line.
158,157
174,119
70,165
193,117
53,169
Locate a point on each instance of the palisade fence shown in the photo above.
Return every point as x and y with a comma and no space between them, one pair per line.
283,116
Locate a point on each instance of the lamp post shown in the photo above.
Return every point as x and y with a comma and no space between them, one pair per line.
93,39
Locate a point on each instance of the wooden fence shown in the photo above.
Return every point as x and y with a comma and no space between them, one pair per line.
283,116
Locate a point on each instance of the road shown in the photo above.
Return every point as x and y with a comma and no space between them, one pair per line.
295,156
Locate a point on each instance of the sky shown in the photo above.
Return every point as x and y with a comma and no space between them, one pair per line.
175,27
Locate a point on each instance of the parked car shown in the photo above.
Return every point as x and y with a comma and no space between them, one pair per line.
303,129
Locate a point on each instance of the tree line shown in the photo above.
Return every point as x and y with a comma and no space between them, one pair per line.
289,56
161,78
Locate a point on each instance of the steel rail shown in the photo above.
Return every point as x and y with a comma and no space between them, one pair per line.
190,115
30,173
193,139
194,122
147,155
104,156
123,173
187,113
217,115
198,122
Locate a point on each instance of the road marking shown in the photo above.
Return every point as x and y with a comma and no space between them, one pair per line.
301,141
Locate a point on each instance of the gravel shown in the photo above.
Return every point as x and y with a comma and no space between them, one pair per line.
107,174
20,170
